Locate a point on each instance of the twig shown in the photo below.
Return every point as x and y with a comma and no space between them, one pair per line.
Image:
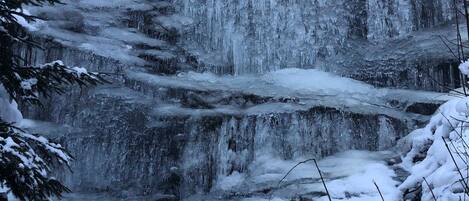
459,152
465,186
379,191
429,187
319,171
467,175
322,179
458,32
466,14
288,173
460,48
453,43
456,131
449,48
460,120
442,85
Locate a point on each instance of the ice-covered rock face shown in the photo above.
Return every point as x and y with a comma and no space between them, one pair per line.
261,36
384,43
122,140
167,127
186,134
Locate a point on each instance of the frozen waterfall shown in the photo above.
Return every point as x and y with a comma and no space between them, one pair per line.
217,99
259,36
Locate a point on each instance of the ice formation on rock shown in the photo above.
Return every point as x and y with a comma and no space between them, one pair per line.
216,99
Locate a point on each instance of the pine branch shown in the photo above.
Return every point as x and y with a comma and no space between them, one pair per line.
26,160
25,163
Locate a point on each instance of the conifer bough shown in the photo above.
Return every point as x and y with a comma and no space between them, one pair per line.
27,160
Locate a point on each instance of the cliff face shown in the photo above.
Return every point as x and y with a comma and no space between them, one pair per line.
200,92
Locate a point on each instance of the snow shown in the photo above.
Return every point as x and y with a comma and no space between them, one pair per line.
75,71
316,80
284,80
53,63
438,166
349,176
310,87
362,183
464,67
79,71
28,84
30,26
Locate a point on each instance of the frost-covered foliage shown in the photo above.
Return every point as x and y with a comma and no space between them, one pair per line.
25,163
439,153
26,83
26,159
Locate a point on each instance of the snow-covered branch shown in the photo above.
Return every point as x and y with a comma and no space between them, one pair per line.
26,162
26,83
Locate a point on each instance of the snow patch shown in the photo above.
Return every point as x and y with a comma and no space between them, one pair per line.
446,130
29,25
464,67
316,80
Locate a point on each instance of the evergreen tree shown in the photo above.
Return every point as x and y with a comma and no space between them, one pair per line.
26,160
